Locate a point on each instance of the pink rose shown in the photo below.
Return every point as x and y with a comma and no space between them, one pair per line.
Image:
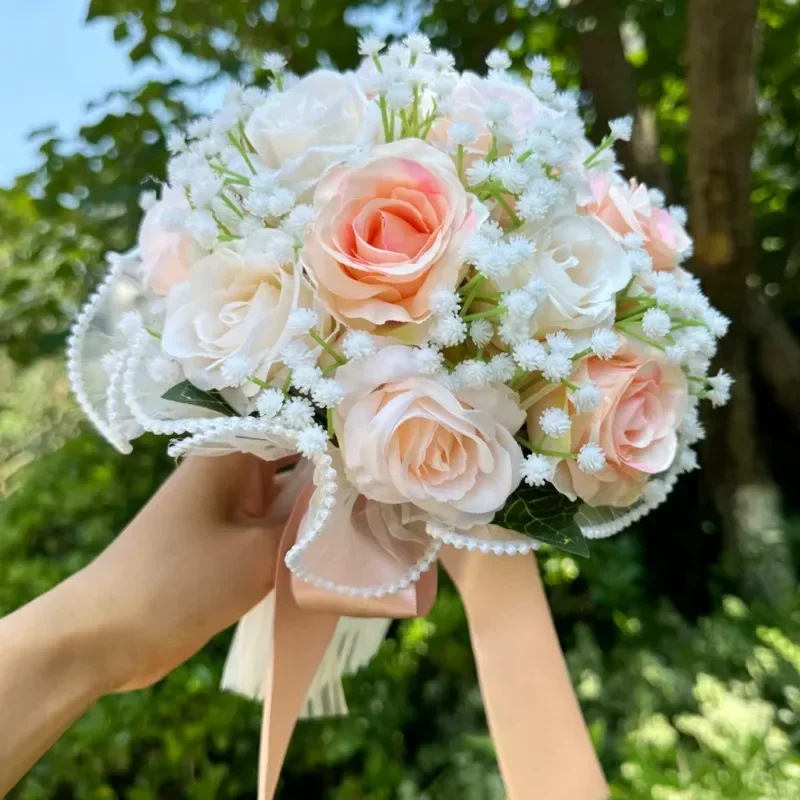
166,256
388,235
644,402
626,208
405,437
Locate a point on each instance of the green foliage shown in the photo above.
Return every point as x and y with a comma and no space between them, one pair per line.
187,393
544,515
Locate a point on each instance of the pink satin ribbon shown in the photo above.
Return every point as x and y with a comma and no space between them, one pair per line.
543,747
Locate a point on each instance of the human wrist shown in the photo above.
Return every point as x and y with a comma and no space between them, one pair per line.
83,643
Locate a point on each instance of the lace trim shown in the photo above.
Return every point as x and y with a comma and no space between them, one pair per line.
75,344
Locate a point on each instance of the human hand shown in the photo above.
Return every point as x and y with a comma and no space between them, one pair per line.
198,556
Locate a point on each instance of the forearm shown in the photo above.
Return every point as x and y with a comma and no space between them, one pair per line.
48,678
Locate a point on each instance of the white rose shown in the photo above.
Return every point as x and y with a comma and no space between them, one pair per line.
469,103
317,122
167,255
583,268
230,315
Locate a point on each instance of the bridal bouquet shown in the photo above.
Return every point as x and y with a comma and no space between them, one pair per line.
433,287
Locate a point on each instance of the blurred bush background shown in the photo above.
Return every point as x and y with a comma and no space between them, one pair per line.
683,635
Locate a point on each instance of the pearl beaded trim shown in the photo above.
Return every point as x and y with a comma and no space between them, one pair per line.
322,503
75,344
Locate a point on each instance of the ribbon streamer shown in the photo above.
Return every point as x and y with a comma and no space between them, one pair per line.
543,746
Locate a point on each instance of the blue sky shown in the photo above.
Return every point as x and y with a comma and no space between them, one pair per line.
52,65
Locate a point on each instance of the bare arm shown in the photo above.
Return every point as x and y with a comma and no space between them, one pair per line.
197,557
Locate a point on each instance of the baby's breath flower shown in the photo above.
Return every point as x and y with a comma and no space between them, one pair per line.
445,302
269,403
478,172
502,368
536,470
417,43
656,197
498,60
328,392
236,369
312,440
130,324
591,458
305,377
481,332
370,46
297,413
587,397
358,344
557,367
604,343
448,331
520,304
430,360
538,65
559,342
555,422
163,370
530,355
147,200
622,128
273,62
679,214
656,323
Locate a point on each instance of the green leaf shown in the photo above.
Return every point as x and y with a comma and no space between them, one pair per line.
188,393
547,516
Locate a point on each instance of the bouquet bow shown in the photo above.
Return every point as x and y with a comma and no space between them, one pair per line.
309,635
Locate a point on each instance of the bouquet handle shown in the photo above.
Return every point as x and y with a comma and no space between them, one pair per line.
543,746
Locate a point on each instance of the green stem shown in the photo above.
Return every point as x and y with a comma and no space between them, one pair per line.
377,61
329,417
247,143
223,227
525,156
542,451
387,131
288,382
604,145
467,287
460,162
488,314
338,357
638,309
231,205
470,298
517,222
230,173
154,334
262,384
238,145
634,335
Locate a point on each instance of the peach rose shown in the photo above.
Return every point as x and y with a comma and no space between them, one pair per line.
388,235
626,208
644,402
166,255
406,438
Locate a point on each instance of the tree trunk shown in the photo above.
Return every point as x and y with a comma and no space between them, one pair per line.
607,74
722,99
